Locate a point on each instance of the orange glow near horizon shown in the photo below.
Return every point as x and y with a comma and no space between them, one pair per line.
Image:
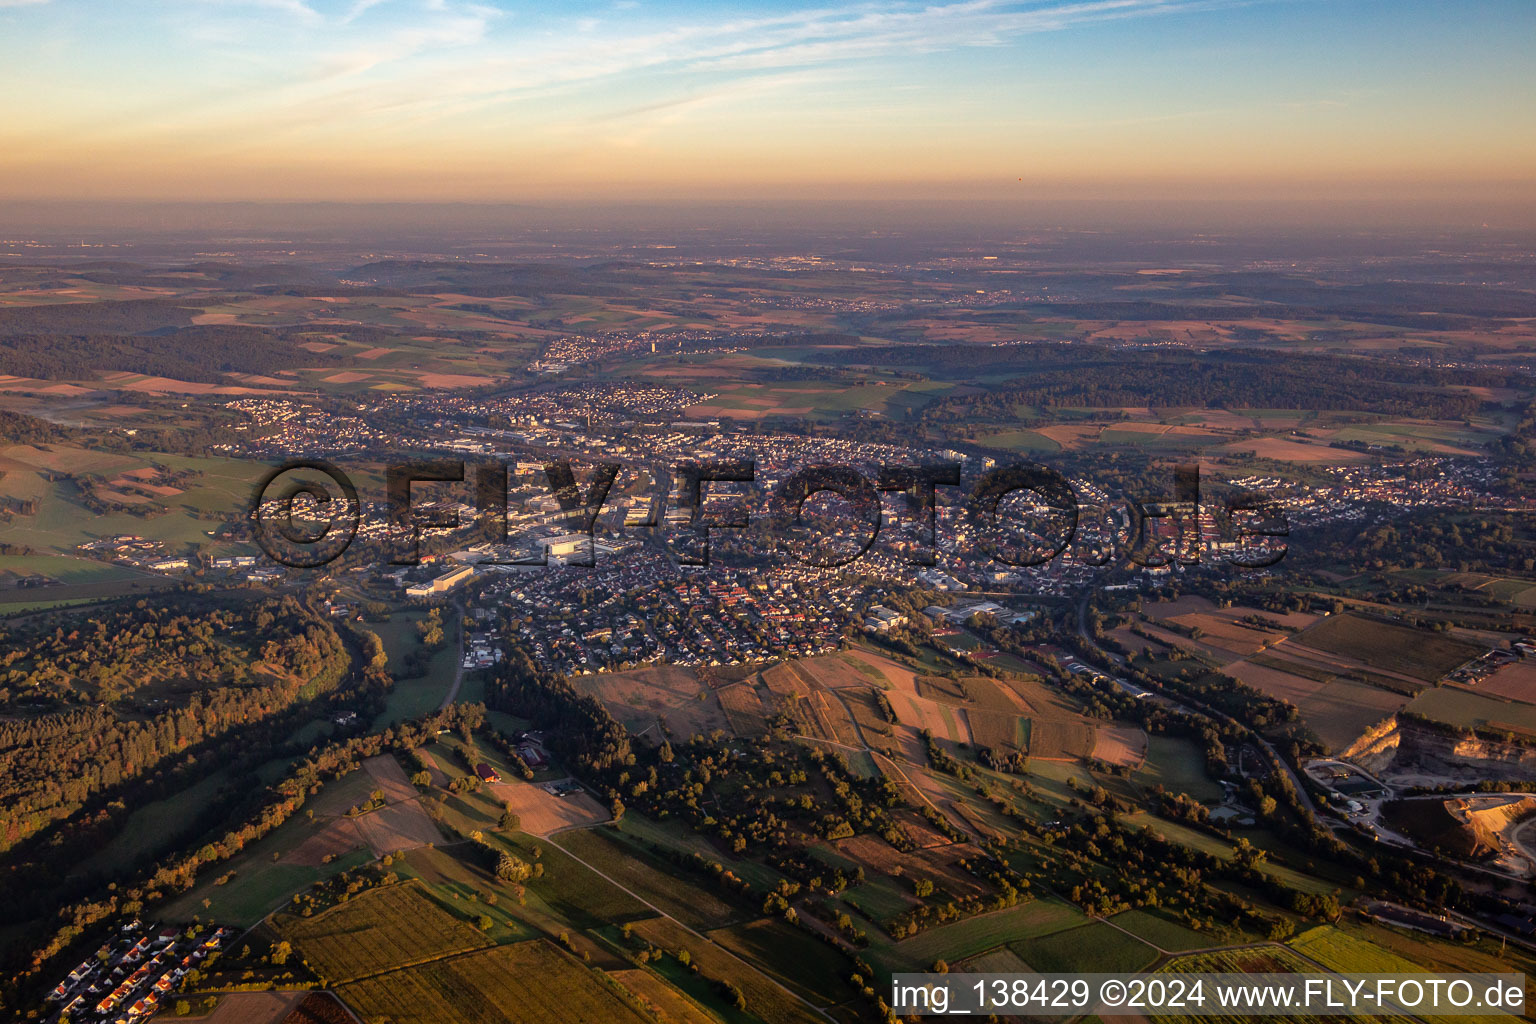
447,100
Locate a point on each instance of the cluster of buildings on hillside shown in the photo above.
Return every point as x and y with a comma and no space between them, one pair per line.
641,518
643,610
561,353
1369,493
285,426
132,975
564,406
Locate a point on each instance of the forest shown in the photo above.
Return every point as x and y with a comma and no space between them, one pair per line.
88,739
204,354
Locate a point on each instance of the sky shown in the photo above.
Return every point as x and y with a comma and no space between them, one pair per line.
475,100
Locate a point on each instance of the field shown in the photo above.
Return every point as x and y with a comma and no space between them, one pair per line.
568,893
155,826
526,983
263,879
1162,932
379,930
1220,848
409,698
1120,745
744,708
655,881
876,732
250,1008
62,522
1057,731
1091,948
765,1000
1515,681
665,1002
1265,959
1343,709
1416,653
401,824
1178,765
1037,918
800,961
542,812
1347,954
1338,698
670,694
79,580
1468,710
879,899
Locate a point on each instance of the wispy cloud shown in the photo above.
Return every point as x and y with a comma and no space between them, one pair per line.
278,71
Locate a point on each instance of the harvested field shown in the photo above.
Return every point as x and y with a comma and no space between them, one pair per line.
744,709
943,720
542,812
319,1008
1218,631
250,1008
1340,711
1515,681
1061,740
389,777
1120,745
402,824
876,732
998,730
822,716
337,838
1272,679
832,671
941,689
454,380
1292,451
783,680
1038,700
919,829
398,827
888,768
894,674
671,694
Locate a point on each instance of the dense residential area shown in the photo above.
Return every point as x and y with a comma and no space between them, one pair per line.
989,655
